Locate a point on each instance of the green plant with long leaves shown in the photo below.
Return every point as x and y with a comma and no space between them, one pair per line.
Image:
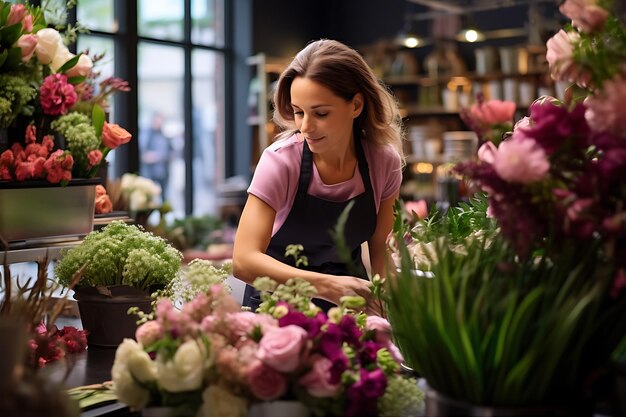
492,329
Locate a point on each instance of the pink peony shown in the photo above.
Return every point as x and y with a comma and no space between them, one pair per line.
521,160
56,95
586,15
487,152
266,383
282,347
317,380
380,326
242,323
58,167
113,135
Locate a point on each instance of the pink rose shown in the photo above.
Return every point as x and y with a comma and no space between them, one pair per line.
149,332
103,205
560,58
523,123
94,157
317,380
521,160
113,135
28,44
17,14
266,383
282,347
242,323
100,190
30,134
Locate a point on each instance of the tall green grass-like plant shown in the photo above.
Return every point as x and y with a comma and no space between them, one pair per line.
491,329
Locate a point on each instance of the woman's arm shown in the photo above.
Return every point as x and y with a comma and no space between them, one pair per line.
379,255
250,260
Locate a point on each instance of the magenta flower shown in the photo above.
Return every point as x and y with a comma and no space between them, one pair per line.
56,95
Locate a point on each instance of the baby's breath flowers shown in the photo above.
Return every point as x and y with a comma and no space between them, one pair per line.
121,254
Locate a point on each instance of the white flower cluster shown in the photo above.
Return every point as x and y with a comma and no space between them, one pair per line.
142,193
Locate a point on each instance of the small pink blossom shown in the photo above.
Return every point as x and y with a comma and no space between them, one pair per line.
30,134
282,347
317,380
24,170
17,14
265,382
48,142
521,160
5,174
7,157
58,167
586,15
100,190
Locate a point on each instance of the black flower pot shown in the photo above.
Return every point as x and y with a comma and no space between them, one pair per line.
104,312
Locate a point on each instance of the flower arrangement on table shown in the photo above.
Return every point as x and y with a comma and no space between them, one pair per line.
211,359
533,312
47,91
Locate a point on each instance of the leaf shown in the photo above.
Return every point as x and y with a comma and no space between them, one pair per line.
76,80
10,34
97,117
69,64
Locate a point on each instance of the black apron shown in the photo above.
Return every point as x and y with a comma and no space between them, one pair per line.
310,222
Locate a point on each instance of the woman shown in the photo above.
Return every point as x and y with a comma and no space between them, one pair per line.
342,144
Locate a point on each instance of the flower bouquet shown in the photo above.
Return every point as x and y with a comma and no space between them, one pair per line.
51,110
530,315
211,359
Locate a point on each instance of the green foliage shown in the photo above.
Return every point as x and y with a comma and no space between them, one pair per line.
492,329
81,138
15,93
199,276
294,251
120,254
193,232
297,292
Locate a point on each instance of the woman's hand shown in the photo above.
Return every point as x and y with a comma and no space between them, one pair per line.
335,287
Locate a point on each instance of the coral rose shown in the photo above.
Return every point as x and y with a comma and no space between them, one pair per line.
113,135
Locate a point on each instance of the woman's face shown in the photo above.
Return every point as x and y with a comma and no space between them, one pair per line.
324,119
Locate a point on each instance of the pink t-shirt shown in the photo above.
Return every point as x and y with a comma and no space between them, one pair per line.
275,179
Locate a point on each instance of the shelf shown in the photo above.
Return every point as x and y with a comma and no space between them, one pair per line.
416,110
428,81
37,253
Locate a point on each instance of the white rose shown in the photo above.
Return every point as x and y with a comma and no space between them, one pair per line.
82,68
138,201
184,372
124,385
61,56
128,181
141,366
218,402
48,40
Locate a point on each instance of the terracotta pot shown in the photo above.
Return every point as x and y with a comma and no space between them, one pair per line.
104,312
440,405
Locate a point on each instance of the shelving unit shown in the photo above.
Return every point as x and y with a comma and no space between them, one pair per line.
265,71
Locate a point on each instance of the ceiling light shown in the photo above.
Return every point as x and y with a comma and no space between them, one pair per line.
470,35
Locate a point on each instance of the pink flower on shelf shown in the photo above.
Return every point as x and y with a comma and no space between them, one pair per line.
58,167
317,380
265,382
282,347
560,58
48,142
30,134
56,95
586,15
114,135
605,109
493,112
521,160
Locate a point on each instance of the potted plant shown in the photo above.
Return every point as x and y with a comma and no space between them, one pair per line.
120,265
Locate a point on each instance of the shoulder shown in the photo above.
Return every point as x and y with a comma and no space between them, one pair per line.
382,156
285,151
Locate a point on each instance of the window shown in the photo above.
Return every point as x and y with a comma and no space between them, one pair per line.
179,89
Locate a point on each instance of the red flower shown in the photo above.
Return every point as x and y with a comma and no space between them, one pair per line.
56,95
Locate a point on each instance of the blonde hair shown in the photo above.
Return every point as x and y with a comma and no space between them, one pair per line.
344,71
